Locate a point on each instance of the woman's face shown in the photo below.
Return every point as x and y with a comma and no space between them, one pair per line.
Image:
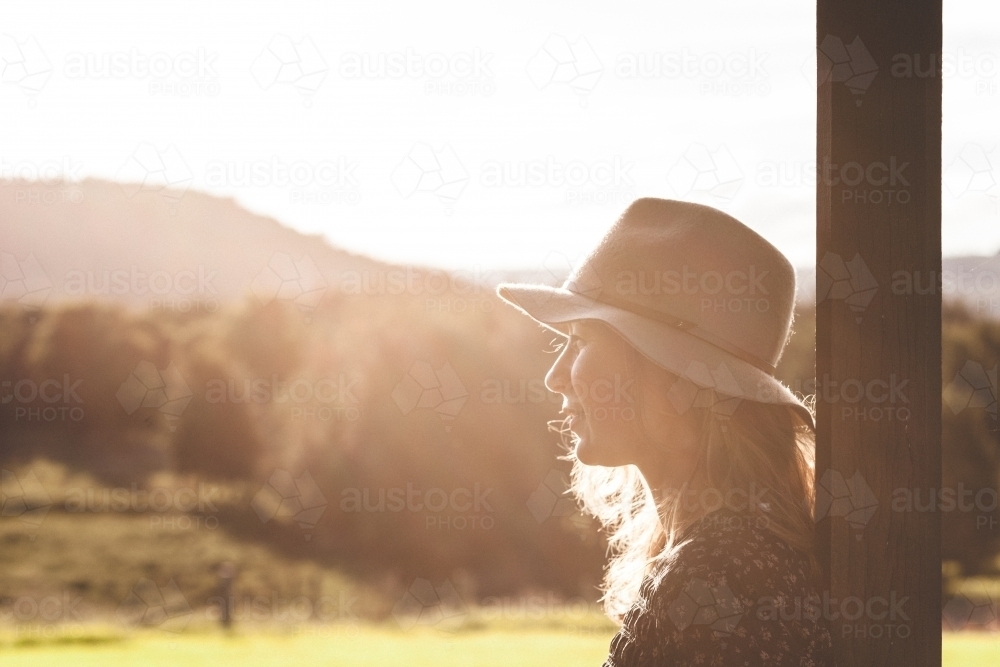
601,400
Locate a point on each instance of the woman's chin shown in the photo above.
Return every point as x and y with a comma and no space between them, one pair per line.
592,454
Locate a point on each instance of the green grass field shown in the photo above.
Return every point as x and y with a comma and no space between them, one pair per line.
370,647
97,558
367,646
970,649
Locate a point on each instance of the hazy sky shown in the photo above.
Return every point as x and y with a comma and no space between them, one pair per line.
401,129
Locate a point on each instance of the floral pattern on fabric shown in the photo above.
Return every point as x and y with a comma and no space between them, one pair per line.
737,595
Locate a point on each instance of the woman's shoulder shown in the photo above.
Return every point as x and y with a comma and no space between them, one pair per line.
705,606
741,549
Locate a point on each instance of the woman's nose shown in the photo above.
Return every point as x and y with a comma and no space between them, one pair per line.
558,378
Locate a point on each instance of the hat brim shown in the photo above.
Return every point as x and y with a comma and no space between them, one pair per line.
689,357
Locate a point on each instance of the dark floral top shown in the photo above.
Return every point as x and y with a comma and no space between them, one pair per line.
737,595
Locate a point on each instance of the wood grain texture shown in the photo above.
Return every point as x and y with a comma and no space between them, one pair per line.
890,127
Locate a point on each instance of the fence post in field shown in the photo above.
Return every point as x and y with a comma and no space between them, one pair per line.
226,573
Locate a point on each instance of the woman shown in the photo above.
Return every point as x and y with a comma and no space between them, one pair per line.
698,462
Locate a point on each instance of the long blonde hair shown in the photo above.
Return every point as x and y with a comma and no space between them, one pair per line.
763,444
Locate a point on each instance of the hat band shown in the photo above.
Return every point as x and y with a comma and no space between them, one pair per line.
685,326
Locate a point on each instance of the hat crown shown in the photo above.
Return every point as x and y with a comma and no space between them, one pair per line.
697,264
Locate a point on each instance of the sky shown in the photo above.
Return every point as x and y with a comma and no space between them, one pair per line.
465,135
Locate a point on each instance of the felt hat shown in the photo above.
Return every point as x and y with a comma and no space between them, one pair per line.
694,290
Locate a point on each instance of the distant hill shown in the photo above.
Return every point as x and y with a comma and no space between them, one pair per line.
171,250
93,240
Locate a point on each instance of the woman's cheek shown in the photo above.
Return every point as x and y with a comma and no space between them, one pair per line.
588,368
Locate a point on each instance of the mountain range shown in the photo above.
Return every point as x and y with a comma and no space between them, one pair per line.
189,250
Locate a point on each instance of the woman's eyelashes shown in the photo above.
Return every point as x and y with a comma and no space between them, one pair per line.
557,347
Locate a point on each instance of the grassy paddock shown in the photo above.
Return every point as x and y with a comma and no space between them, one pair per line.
365,646
973,649
360,646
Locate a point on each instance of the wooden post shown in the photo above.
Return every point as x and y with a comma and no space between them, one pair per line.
878,336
